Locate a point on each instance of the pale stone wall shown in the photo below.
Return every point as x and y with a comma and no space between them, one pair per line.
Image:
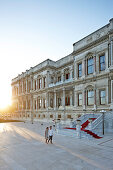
50,89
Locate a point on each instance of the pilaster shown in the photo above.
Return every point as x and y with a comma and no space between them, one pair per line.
54,100
63,102
84,99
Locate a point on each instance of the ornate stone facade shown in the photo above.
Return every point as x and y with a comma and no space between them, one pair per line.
79,83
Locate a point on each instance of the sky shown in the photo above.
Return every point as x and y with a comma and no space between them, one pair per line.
32,31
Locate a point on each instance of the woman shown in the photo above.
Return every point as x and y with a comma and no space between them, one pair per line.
46,134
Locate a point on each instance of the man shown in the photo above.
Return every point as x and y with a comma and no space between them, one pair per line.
50,134
46,134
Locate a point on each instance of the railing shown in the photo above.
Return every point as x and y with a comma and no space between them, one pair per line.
96,122
60,82
85,117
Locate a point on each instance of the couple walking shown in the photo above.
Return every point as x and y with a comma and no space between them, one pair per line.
49,134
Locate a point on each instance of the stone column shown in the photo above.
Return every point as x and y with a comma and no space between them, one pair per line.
47,100
26,85
63,101
62,76
95,64
74,91
18,88
22,86
42,102
26,107
22,108
71,72
70,98
95,98
31,83
36,105
54,100
42,82
31,108
84,67
48,81
84,99
26,104
111,52
18,104
76,99
37,84
111,91
75,70
106,59
107,94
109,56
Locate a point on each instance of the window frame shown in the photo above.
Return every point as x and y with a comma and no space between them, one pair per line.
89,66
44,82
40,83
79,99
79,70
102,97
100,63
90,97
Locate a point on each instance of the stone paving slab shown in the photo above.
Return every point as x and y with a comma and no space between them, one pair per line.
23,147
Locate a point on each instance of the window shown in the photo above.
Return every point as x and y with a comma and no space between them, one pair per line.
90,66
102,62
40,83
90,97
80,99
51,116
24,105
28,104
39,103
35,104
20,88
59,78
69,116
25,87
67,101
44,82
52,79
59,102
29,86
102,97
80,70
59,116
43,116
35,84
67,76
44,103
51,103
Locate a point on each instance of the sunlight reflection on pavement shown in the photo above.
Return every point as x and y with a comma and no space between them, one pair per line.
28,141
2,126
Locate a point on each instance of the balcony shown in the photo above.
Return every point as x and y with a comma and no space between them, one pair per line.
60,82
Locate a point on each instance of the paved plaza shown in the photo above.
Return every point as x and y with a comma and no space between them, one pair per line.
23,147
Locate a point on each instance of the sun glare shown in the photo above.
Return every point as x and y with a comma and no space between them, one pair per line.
2,127
5,102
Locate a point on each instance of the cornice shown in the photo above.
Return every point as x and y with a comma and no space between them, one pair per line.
92,44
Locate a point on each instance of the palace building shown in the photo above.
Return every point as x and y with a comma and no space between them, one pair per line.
79,83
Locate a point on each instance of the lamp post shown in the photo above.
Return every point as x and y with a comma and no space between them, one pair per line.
78,128
103,112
